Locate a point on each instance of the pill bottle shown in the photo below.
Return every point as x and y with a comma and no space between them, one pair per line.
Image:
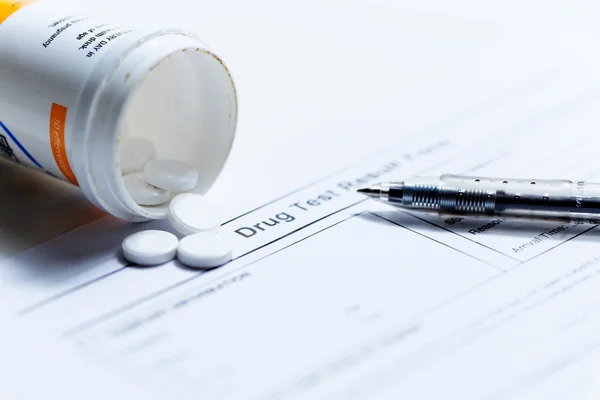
71,88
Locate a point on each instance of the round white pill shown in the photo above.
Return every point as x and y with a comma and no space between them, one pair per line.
205,250
144,193
171,175
135,153
192,213
150,247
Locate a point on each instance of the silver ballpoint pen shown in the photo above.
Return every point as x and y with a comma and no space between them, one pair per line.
469,196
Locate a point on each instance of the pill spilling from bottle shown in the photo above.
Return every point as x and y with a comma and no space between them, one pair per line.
137,119
154,182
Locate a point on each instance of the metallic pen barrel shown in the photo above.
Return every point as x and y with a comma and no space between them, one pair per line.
453,195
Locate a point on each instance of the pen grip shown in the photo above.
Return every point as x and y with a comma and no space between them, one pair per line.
541,199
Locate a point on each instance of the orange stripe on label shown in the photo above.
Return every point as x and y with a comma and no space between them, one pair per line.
7,7
58,118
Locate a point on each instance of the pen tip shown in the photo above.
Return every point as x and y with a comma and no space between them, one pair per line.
373,192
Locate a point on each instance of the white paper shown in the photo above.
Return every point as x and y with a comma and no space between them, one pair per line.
331,295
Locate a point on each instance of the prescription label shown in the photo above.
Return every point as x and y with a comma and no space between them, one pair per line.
7,8
58,118
56,53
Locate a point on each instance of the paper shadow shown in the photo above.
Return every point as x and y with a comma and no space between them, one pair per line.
35,208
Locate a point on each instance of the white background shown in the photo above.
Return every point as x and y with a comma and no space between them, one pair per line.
318,76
